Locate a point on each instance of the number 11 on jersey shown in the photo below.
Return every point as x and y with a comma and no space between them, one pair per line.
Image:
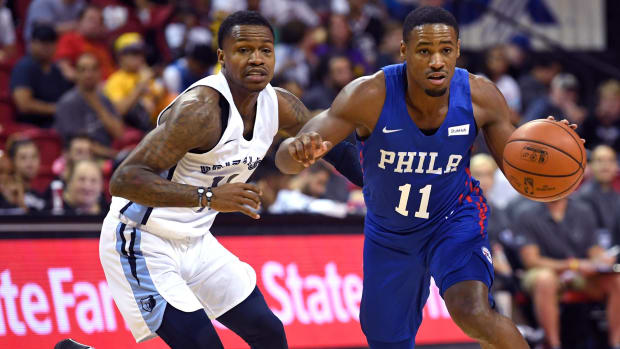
404,198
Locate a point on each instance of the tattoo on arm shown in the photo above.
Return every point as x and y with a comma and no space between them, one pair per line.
293,113
193,123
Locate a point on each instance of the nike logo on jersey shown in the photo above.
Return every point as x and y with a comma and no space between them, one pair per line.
460,130
385,130
232,140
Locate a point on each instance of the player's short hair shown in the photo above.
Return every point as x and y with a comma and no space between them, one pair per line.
428,15
241,18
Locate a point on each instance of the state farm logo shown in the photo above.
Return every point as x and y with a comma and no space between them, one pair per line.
57,302
327,298
314,298
90,305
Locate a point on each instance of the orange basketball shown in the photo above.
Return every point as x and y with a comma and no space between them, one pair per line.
544,160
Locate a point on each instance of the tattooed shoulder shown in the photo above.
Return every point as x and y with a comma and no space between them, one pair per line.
292,112
195,116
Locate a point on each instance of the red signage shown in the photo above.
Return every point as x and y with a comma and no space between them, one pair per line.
55,289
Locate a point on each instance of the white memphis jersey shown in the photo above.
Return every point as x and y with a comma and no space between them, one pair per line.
232,160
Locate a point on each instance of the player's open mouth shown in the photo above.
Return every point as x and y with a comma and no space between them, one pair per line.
437,79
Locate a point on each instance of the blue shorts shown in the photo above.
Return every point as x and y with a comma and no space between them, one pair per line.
397,280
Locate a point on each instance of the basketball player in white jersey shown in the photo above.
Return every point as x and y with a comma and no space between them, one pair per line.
168,275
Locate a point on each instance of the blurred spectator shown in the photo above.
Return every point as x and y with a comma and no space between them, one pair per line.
366,21
83,195
313,181
604,126
496,69
8,40
598,191
132,88
517,50
11,196
282,11
339,42
536,83
77,148
291,63
187,31
389,49
228,7
89,37
153,15
270,181
183,72
62,14
25,162
561,102
11,190
400,9
85,110
277,11
305,195
335,72
561,252
36,82
483,167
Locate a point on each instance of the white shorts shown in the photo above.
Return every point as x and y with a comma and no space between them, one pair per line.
145,272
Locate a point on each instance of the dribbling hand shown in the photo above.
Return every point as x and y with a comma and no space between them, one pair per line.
567,123
236,197
308,147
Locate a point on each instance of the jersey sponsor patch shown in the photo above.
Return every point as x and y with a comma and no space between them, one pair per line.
460,130
487,253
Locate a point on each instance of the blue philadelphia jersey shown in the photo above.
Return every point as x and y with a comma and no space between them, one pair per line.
412,181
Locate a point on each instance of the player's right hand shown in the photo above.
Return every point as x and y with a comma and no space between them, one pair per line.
306,148
236,197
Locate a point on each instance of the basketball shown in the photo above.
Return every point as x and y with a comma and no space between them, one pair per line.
544,160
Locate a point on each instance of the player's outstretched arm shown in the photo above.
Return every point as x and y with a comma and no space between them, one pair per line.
193,122
356,107
293,115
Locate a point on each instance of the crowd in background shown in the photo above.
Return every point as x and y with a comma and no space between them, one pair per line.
83,81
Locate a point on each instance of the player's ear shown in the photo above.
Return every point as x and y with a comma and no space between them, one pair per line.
220,57
403,50
458,48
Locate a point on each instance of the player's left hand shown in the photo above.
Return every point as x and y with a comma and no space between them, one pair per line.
567,123
306,148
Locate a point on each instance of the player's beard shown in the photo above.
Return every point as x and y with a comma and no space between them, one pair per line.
436,93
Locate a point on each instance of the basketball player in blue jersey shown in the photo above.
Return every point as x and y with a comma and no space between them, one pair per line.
167,273
416,123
